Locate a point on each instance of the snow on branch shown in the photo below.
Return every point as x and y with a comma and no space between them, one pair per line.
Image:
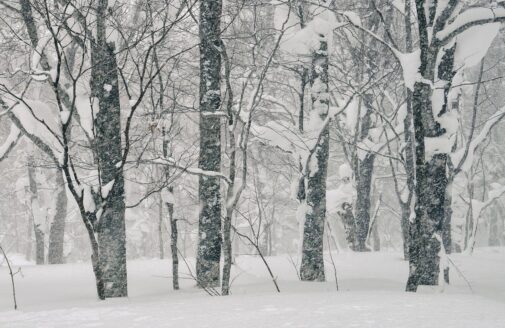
470,18
459,155
10,142
190,170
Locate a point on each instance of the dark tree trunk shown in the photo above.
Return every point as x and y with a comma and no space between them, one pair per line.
111,228
57,231
227,254
446,225
312,264
349,223
364,188
405,229
406,206
431,184
209,228
426,232
173,244
423,252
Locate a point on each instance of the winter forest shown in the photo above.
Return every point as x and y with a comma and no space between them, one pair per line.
262,163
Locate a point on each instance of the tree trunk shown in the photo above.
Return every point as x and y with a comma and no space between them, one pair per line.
431,184
496,230
426,232
364,188
349,223
227,253
209,228
405,229
446,226
57,231
173,244
312,264
161,247
111,228
36,214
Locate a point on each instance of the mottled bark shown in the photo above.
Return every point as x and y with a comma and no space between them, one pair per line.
405,212
446,225
173,244
111,225
426,232
209,228
349,223
312,264
227,254
57,231
364,188
406,206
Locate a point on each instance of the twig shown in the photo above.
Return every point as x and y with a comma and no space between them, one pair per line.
461,274
12,278
295,266
209,290
331,256
274,279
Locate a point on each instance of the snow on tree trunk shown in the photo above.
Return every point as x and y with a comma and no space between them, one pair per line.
363,172
57,231
430,227
431,173
424,247
209,228
111,223
312,264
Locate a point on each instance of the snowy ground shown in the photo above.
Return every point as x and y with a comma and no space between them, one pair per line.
371,295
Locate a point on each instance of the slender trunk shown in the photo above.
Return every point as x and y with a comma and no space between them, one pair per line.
301,96
469,214
446,227
39,246
160,229
209,227
405,229
57,231
376,241
173,245
29,242
227,254
409,143
36,214
96,260
312,264
494,227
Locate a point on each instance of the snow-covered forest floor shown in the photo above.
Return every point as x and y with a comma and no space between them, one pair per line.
370,295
